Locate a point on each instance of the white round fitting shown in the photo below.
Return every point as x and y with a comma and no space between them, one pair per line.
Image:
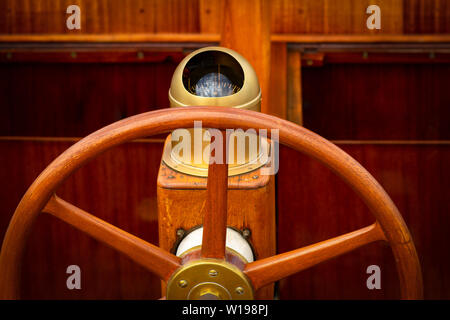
234,241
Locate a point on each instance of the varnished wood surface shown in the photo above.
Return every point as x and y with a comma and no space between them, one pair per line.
205,16
278,80
153,258
313,209
428,20
426,16
368,189
380,58
215,217
334,17
319,206
170,179
349,17
113,38
245,29
265,271
214,38
360,38
74,54
26,16
73,100
377,102
294,87
251,205
122,182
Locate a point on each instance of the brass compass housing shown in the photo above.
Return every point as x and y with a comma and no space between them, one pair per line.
217,61
216,76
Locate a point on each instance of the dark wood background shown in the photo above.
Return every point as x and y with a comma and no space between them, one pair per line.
205,16
392,117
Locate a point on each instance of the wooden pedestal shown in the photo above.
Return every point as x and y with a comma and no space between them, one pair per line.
251,205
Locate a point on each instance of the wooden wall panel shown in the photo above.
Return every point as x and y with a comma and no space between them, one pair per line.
339,101
76,99
349,16
201,16
319,206
245,31
294,87
422,16
334,17
279,81
100,16
211,16
380,101
119,187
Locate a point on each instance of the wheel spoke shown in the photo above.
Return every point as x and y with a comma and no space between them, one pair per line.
215,218
153,258
268,270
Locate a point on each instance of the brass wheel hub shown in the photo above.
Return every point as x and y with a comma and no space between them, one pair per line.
209,279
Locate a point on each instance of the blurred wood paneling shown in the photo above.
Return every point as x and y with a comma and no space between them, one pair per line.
118,186
278,88
334,17
349,16
110,16
377,101
422,16
340,101
245,31
40,99
314,205
202,16
294,87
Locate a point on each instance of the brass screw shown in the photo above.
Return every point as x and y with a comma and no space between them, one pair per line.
246,233
212,273
239,290
182,283
180,232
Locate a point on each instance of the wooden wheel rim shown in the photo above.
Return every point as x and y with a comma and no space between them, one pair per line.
154,122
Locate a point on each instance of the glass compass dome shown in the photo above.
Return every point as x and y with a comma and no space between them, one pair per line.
213,74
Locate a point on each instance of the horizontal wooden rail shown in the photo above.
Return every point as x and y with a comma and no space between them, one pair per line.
68,139
392,142
115,37
161,140
99,55
360,38
213,37
366,57
43,54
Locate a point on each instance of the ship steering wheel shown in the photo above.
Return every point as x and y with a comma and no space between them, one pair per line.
242,279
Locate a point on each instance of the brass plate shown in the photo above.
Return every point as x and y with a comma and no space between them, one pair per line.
255,161
209,279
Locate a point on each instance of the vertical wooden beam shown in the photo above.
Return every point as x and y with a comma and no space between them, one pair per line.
210,16
294,87
246,29
278,80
